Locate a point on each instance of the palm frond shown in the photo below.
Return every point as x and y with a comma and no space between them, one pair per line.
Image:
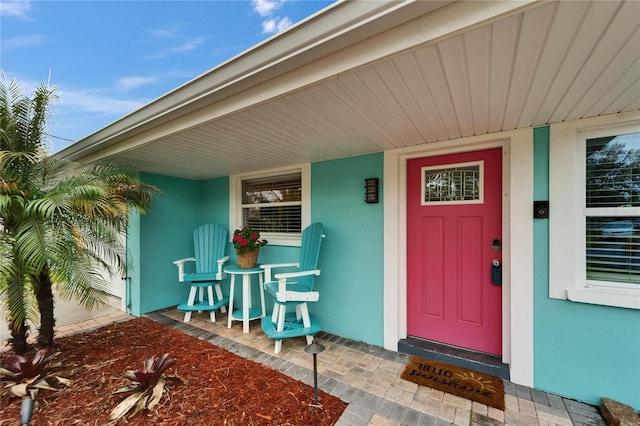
7,266
82,283
8,204
104,244
60,219
126,186
20,303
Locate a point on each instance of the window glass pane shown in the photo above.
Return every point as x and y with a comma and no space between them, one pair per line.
273,204
613,171
451,184
272,189
613,252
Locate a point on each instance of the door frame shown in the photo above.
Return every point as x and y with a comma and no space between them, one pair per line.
517,301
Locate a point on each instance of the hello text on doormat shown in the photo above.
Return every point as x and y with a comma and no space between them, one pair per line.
480,387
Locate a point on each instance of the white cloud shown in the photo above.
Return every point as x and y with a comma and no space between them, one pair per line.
284,23
87,100
189,46
94,101
16,9
276,25
272,24
24,42
165,32
133,82
268,26
266,7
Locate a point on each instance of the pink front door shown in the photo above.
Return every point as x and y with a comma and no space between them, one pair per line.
454,219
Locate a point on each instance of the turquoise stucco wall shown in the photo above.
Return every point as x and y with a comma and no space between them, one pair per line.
352,264
214,196
582,351
351,283
165,235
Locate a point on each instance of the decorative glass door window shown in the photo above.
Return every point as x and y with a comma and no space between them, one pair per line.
460,183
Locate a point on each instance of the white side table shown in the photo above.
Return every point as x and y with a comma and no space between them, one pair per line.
248,313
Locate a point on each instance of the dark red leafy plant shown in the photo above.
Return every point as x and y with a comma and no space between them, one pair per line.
28,374
217,388
147,387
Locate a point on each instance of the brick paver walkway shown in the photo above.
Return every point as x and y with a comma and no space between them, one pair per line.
368,378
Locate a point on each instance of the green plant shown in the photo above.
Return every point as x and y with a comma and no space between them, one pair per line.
148,386
60,223
246,239
27,375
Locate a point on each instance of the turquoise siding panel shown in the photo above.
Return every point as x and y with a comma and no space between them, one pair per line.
541,165
214,196
166,234
351,260
582,351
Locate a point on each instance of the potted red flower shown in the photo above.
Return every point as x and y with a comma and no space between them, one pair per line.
247,243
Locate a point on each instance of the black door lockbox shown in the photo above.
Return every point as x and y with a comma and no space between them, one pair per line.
540,209
496,272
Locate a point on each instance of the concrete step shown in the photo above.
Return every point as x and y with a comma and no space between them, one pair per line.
475,361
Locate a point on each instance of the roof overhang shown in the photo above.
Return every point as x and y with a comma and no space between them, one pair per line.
362,77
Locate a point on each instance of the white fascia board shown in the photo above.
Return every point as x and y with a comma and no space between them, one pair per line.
345,36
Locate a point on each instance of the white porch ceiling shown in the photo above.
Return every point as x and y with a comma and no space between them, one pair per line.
545,63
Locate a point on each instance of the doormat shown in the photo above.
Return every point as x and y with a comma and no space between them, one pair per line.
480,387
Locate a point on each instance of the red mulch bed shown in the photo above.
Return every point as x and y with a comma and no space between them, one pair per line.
220,388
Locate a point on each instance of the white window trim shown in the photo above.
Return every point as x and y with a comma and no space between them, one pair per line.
235,202
567,257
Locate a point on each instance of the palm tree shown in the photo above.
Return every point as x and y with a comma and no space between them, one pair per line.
61,223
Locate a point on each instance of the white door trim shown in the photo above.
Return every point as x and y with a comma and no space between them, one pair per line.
517,225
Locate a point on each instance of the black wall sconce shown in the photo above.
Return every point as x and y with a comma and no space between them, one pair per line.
371,190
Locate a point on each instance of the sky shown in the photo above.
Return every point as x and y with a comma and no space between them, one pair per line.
108,58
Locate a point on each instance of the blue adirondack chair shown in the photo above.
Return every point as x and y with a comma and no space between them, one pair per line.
210,243
294,289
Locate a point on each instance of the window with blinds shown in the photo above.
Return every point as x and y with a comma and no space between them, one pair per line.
612,207
273,204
